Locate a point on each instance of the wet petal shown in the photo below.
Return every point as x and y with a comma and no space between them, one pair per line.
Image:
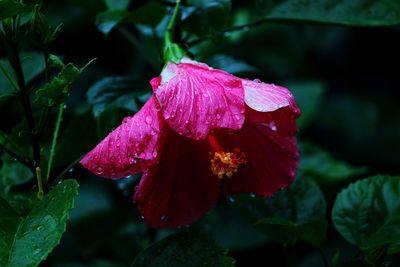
196,99
130,148
268,141
181,187
266,97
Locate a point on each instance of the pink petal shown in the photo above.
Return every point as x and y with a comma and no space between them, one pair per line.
129,149
196,99
270,146
266,97
181,187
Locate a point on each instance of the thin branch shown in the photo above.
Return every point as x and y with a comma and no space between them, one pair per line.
25,100
228,30
19,158
128,36
64,171
54,142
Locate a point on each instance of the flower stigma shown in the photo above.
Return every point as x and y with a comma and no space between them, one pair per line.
224,163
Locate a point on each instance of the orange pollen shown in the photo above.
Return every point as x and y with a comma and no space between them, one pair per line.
227,163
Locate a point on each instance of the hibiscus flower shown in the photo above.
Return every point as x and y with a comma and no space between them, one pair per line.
201,132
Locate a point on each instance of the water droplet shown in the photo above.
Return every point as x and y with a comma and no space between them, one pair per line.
257,80
164,218
125,120
71,170
132,160
99,170
252,195
142,217
149,119
65,107
231,199
272,126
142,155
238,117
154,154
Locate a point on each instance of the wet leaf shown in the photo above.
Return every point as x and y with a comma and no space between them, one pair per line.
26,241
367,213
184,249
351,13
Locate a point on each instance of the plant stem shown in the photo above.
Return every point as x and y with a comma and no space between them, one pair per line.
229,30
54,142
138,46
169,34
61,174
40,192
15,62
324,260
14,155
24,95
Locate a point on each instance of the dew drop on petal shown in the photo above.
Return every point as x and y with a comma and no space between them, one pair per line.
252,195
154,154
257,80
164,218
99,170
149,119
231,199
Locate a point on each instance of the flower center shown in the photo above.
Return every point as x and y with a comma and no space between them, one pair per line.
225,163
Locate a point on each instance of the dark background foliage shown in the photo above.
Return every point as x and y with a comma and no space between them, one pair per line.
345,80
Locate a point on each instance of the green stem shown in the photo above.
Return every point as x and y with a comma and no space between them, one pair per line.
54,142
169,34
40,192
172,51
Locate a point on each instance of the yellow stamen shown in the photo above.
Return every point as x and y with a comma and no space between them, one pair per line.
227,163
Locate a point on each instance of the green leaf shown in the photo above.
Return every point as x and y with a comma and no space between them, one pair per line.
115,91
107,20
117,4
32,65
149,14
13,173
186,249
367,213
10,8
35,236
322,167
230,64
57,90
296,213
308,95
351,13
205,17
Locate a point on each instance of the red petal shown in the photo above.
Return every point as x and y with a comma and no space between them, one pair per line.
181,187
196,99
270,146
129,149
266,97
